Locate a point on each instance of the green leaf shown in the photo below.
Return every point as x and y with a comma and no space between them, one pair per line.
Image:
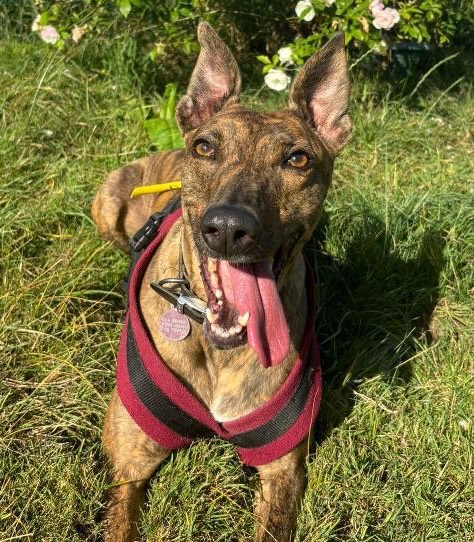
188,47
124,6
424,32
44,18
168,104
430,16
414,32
164,133
358,34
305,12
263,59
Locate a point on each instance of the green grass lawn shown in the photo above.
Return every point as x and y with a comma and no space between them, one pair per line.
394,459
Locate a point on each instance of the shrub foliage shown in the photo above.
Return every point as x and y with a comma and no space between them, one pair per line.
163,39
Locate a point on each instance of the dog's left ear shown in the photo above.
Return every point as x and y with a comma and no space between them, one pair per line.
320,93
215,81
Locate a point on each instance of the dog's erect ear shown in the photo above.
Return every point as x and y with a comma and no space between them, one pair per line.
321,93
214,83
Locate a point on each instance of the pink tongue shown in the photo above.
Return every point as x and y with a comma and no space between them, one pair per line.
251,288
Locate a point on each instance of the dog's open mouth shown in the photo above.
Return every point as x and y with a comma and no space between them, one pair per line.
244,305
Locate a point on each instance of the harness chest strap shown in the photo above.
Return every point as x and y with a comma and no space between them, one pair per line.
172,416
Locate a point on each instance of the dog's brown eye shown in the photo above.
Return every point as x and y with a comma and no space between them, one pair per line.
298,160
203,148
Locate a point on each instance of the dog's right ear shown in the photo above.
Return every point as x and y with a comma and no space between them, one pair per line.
215,81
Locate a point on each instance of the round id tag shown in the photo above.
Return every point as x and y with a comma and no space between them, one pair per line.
174,325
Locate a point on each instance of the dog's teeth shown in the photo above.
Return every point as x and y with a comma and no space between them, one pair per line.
211,316
211,265
243,319
214,280
219,331
218,293
220,302
237,329
232,330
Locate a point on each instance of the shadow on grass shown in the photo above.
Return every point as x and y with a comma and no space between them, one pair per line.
414,78
375,308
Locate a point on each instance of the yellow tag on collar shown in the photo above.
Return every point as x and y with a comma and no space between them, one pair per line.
154,188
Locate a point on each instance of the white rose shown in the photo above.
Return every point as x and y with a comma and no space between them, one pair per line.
284,54
36,27
277,79
386,19
303,5
77,34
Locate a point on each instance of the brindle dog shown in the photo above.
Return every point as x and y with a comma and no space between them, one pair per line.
253,185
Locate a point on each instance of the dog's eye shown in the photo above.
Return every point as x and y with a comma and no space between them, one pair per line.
203,148
298,160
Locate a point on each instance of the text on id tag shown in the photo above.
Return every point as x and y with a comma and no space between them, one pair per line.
174,325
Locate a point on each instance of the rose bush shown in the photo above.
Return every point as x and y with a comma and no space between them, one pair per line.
369,26
160,42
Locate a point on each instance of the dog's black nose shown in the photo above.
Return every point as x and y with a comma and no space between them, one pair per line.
228,229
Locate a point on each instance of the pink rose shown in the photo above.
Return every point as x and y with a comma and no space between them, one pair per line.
49,34
386,18
376,6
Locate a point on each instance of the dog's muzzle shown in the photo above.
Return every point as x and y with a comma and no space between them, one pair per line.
229,230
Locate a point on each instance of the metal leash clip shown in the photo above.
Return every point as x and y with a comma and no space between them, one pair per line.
180,296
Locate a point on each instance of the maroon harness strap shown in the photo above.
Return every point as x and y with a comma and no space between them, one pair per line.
172,416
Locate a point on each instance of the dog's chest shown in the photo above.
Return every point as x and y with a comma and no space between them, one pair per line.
230,383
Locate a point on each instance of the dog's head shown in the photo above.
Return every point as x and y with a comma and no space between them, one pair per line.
254,183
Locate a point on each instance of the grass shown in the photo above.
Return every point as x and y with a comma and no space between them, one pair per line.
394,252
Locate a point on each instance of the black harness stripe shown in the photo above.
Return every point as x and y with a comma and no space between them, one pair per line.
282,421
156,401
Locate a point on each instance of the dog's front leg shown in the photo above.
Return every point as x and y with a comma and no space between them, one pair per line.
134,458
282,487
